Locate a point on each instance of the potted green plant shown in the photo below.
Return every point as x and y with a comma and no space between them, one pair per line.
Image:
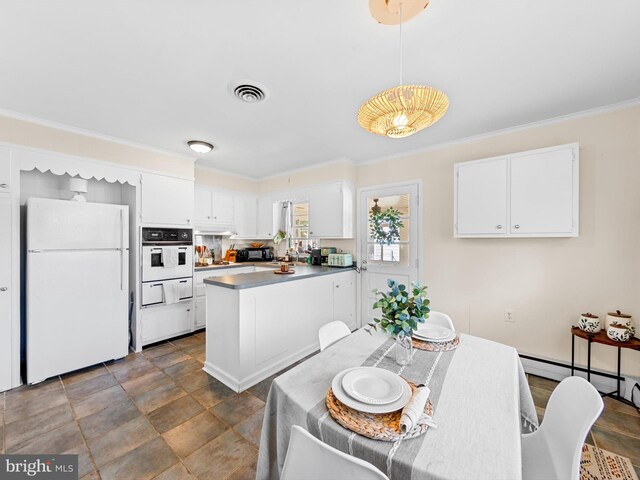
401,312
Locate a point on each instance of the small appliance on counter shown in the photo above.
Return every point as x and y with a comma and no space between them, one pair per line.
316,256
255,254
231,254
342,260
324,255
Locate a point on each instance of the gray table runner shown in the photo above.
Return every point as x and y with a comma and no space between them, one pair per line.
393,458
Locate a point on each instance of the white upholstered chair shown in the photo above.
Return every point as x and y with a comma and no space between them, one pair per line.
442,319
310,459
331,333
553,451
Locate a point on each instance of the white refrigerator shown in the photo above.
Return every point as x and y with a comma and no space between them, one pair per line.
76,285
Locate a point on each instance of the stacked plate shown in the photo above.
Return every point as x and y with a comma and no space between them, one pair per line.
371,390
434,333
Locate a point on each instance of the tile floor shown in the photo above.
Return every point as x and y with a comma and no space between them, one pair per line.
156,414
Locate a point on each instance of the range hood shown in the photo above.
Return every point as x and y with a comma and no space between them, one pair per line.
218,232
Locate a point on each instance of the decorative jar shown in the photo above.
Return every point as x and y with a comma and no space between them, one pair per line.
589,323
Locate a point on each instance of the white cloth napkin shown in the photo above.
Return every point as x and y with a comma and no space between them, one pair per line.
170,257
171,292
413,413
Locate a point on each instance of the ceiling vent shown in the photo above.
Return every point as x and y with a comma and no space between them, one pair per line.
249,92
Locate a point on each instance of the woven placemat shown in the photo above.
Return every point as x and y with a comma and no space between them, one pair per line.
378,426
436,346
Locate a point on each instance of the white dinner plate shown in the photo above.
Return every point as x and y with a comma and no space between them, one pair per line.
450,337
374,386
432,332
344,397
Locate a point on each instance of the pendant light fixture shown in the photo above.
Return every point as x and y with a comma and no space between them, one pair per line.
406,109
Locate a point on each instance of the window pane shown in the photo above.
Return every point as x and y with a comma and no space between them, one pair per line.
397,254
399,202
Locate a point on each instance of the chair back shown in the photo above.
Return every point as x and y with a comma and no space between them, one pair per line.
310,459
442,319
573,408
331,333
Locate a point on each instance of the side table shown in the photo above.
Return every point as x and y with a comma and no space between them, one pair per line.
601,337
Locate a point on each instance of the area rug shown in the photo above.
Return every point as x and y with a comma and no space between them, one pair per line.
598,464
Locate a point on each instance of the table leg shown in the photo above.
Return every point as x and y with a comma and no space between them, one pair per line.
589,360
573,352
618,379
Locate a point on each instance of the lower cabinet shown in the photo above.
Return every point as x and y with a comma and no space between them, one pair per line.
166,321
344,305
201,312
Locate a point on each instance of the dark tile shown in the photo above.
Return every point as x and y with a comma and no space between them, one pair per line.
617,443
195,349
20,432
159,350
143,463
91,476
213,394
540,396
25,406
236,409
195,380
612,404
185,367
99,401
251,427
201,357
27,392
170,359
540,412
193,434
261,390
173,414
246,472
136,370
84,374
188,341
121,440
590,440
55,441
637,469
109,418
620,422
541,382
80,390
85,465
158,397
127,362
177,472
221,456
140,385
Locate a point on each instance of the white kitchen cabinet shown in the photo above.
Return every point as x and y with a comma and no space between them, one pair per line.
266,217
6,348
526,194
331,211
222,207
245,208
166,200
202,212
213,207
5,170
344,300
201,312
482,197
166,321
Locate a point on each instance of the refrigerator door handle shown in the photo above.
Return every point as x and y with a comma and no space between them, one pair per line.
121,251
35,251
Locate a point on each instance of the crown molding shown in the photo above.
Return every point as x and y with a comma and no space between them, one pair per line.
200,166
346,160
89,133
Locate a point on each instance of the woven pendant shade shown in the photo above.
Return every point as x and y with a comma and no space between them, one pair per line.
401,111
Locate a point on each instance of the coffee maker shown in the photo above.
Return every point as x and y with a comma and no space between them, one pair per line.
316,256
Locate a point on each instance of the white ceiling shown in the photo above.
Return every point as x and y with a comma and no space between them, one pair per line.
156,72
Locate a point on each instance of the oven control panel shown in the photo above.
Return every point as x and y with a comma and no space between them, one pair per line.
160,236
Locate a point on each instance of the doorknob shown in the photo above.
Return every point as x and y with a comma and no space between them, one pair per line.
498,227
3,289
516,226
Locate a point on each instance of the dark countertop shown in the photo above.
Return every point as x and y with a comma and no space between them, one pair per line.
260,279
233,265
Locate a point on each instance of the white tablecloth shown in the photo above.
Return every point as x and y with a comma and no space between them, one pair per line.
483,403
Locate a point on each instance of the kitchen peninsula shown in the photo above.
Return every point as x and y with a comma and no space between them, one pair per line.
259,323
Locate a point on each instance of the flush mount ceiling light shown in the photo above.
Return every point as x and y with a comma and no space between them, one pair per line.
406,109
199,146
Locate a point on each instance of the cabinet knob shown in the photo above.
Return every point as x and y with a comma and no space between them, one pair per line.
311,233
3,289
337,286
499,227
516,226
3,185
209,216
215,218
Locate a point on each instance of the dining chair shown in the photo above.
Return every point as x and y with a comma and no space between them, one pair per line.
331,333
310,459
442,319
553,451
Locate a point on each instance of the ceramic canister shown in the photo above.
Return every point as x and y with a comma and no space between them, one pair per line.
589,323
619,334
619,318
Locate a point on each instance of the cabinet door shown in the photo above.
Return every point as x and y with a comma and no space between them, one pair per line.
326,211
344,299
201,312
159,323
481,198
5,170
265,217
542,192
166,200
245,214
202,205
222,207
5,293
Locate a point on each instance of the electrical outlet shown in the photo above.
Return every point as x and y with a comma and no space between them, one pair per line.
509,315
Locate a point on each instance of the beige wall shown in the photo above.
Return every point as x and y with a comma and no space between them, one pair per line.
548,281
339,170
28,134
214,178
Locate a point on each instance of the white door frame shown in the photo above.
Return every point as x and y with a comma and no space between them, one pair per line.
417,224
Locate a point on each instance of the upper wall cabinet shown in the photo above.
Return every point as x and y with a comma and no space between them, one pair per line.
213,207
5,170
331,211
166,200
527,194
266,216
245,207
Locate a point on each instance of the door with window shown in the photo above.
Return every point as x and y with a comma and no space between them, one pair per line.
382,208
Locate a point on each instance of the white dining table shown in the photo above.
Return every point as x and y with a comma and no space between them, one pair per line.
483,405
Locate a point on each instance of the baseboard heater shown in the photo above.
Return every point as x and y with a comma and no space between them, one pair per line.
577,368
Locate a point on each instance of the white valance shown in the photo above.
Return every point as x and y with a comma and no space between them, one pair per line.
60,164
